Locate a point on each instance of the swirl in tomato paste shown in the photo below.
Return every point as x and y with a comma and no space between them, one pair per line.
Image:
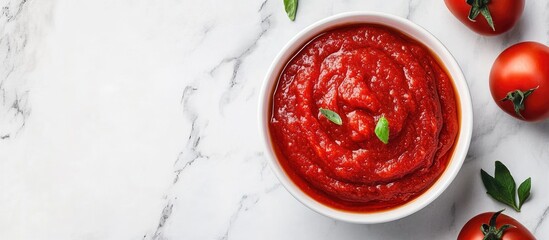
364,72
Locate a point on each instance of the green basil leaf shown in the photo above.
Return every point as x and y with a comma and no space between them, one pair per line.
382,130
291,8
331,115
504,178
495,190
502,186
524,191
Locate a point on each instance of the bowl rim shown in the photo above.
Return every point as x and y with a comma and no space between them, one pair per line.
419,34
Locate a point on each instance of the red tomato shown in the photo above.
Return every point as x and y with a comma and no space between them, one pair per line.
504,13
519,81
502,228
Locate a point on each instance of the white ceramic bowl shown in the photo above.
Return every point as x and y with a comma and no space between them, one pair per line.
412,30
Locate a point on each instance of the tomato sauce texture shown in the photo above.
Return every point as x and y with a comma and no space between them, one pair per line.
364,72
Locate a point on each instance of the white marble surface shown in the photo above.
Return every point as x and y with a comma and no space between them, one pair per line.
136,119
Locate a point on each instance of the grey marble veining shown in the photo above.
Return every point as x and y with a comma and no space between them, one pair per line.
135,119
13,43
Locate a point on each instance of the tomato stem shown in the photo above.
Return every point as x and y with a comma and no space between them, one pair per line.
491,231
518,97
480,7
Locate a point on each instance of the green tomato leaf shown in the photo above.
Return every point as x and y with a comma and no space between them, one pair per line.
291,8
524,191
331,115
382,130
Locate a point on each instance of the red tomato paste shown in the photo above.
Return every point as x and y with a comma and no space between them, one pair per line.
364,72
